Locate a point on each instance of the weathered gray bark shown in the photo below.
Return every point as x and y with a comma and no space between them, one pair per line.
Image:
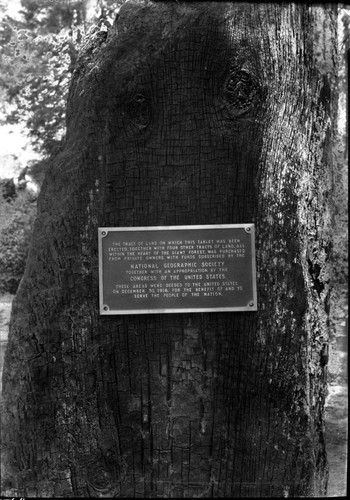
184,114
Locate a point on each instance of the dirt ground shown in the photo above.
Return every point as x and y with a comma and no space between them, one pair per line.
336,402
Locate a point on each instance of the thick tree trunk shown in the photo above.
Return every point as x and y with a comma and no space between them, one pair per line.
182,114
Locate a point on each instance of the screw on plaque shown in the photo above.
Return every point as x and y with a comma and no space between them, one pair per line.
251,304
103,233
105,308
248,229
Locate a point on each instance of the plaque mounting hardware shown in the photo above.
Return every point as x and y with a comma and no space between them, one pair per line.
177,269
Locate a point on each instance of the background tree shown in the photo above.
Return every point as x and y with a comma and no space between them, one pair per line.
38,50
182,114
37,60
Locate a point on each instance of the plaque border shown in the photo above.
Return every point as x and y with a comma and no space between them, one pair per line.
250,308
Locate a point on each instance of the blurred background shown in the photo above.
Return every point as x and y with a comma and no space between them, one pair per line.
39,44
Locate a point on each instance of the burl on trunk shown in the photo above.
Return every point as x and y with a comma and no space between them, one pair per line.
181,114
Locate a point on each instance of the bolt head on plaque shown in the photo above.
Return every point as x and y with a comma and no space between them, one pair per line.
177,269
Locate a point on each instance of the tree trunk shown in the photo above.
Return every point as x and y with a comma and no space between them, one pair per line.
182,114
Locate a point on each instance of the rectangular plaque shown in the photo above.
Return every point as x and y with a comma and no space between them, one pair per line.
177,269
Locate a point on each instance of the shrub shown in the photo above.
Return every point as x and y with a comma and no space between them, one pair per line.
17,220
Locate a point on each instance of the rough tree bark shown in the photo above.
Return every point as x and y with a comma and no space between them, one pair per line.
181,114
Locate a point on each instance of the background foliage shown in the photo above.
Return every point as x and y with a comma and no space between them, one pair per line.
37,58
17,219
38,50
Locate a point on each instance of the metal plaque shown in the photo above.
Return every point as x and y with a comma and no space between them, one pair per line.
177,269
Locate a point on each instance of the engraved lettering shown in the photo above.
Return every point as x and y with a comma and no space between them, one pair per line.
145,269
